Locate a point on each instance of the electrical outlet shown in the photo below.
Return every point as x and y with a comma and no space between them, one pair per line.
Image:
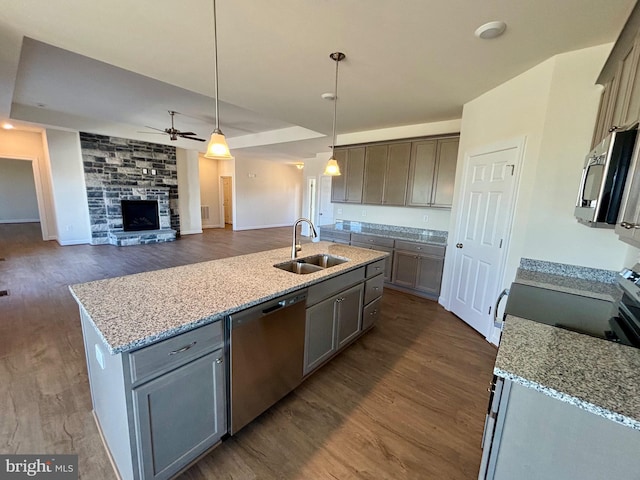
154,171
425,218
364,213
145,171
340,213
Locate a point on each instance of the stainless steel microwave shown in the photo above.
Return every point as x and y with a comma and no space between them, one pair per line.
603,179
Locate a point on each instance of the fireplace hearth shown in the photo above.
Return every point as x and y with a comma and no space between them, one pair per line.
140,215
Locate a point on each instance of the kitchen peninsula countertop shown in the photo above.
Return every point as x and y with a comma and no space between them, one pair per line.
596,375
133,311
434,237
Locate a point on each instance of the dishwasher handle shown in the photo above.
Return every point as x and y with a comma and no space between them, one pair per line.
499,323
275,307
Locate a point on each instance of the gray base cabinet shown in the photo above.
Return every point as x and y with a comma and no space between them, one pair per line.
418,267
180,415
532,436
160,407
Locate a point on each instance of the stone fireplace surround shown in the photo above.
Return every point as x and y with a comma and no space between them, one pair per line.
119,168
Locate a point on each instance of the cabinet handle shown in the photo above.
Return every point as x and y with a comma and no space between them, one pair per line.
376,288
418,248
378,268
373,313
218,361
183,349
629,226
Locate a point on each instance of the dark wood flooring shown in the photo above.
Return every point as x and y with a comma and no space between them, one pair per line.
407,401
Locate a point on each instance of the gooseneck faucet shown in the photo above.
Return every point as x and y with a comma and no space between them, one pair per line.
295,247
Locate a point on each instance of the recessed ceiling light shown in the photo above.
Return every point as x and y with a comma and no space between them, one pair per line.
491,30
7,126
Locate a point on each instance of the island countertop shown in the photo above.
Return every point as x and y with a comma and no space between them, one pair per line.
593,374
136,310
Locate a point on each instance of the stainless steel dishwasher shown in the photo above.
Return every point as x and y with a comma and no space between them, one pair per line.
266,350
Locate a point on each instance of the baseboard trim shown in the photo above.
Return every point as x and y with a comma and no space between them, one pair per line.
258,227
64,243
106,447
21,220
190,232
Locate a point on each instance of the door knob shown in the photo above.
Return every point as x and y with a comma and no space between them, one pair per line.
459,245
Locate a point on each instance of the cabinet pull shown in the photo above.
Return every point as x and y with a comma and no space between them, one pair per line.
218,361
183,349
376,288
378,268
373,313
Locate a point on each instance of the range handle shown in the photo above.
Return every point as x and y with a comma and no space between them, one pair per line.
499,323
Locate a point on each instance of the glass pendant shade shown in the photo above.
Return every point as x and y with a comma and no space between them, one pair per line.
218,147
332,168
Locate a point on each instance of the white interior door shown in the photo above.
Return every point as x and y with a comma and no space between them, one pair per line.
483,228
311,207
325,207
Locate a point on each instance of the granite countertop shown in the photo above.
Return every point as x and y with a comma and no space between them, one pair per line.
434,237
577,286
596,375
136,310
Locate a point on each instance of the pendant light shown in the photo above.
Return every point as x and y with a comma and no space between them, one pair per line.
217,147
332,167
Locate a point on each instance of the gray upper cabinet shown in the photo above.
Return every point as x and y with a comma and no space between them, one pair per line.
432,172
385,174
347,187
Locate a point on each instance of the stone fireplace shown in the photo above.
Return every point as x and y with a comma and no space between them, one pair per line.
117,170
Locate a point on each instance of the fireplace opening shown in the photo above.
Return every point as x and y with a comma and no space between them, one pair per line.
140,215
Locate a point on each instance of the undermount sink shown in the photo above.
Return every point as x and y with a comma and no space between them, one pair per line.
314,263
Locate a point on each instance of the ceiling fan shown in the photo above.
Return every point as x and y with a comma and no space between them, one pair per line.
174,133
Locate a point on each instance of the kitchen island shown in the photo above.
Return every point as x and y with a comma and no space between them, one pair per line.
157,344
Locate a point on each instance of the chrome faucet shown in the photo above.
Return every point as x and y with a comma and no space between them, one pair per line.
295,247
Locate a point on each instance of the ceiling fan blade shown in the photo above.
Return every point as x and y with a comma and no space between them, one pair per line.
154,128
152,133
183,135
186,133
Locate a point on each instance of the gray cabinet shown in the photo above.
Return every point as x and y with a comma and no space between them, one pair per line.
347,187
432,172
386,169
418,267
373,242
330,325
334,236
160,407
180,415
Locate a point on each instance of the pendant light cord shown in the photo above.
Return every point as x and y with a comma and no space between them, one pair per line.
215,65
335,110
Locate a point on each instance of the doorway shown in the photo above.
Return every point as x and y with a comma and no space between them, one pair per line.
227,200
21,199
325,207
483,229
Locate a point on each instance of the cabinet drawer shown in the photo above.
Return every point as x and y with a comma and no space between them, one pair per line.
371,240
175,351
420,248
373,288
335,236
371,313
375,268
327,288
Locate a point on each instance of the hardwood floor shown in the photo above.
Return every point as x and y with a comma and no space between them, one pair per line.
407,401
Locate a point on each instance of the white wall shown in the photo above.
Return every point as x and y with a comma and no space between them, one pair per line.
18,201
188,191
209,190
553,106
437,218
68,187
28,145
268,194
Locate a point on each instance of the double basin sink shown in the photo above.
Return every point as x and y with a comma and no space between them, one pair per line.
314,263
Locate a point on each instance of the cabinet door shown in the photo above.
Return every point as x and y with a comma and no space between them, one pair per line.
180,415
339,183
429,274
405,269
445,174
602,120
320,334
375,166
620,105
422,168
354,174
632,113
397,171
349,314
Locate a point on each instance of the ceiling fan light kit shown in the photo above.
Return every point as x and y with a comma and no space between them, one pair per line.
217,148
332,168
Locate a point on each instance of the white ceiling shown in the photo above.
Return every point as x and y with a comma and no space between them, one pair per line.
118,66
